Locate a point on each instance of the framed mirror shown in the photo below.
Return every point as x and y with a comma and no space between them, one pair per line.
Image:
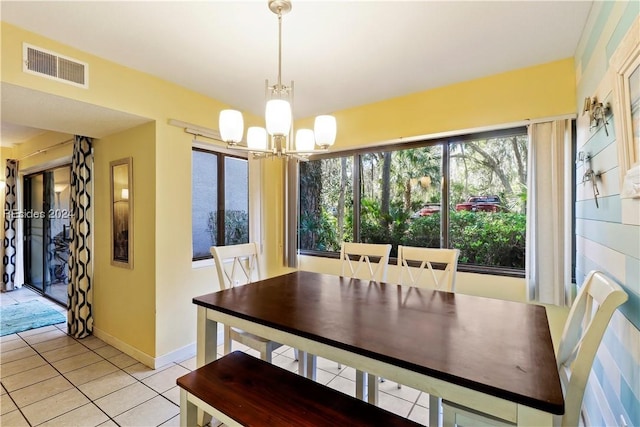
121,177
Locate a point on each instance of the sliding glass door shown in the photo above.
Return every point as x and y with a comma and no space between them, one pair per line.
47,217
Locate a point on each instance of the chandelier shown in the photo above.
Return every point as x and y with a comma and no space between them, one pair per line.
277,139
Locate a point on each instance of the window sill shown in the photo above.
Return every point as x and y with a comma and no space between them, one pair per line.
202,263
466,268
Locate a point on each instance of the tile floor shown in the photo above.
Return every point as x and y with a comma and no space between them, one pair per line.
51,379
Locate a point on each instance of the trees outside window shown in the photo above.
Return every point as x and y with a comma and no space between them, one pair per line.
326,203
488,197
220,201
467,192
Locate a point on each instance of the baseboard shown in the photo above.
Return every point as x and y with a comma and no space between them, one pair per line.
184,353
178,355
129,350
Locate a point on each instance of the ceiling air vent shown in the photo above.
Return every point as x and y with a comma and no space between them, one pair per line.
54,66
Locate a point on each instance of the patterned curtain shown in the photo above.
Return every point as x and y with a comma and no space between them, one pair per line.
10,226
80,295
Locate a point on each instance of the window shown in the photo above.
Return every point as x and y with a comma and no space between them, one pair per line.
326,203
220,201
467,192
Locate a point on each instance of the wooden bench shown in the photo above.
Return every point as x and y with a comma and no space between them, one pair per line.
241,390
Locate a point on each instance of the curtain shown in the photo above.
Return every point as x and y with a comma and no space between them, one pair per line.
80,295
549,196
10,226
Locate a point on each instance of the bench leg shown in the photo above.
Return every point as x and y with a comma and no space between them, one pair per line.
188,411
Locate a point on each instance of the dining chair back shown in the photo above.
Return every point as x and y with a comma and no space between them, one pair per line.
590,314
598,298
357,260
238,265
417,267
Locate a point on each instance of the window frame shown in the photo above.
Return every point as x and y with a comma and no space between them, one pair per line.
221,155
446,143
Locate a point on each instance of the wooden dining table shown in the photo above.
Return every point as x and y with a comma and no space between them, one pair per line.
490,355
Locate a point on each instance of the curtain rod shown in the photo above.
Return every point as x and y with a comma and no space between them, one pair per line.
43,150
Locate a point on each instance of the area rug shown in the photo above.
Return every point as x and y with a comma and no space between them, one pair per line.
27,315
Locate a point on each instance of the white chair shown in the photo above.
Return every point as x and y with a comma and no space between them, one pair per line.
588,319
416,269
238,265
422,274
586,324
356,259
362,267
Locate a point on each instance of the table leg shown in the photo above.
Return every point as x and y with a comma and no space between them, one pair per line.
372,389
206,350
310,365
361,384
227,341
206,339
434,410
307,365
302,363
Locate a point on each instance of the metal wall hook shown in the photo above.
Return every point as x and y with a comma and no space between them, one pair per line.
597,113
591,175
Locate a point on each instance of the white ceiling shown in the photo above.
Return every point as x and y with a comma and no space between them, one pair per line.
341,54
58,114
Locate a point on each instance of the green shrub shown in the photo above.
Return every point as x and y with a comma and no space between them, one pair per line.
236,227
492,239
484,238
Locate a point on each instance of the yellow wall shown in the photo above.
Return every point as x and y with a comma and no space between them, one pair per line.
529,93
5,153
45,158
165,280
124,299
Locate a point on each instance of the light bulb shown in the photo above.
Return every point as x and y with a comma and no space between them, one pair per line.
231,126
325,130
257,138
278,117
305,141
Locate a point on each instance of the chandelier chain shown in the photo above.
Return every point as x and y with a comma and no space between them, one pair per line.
279,49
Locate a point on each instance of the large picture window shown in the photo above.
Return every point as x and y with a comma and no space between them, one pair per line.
467,192
220,201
